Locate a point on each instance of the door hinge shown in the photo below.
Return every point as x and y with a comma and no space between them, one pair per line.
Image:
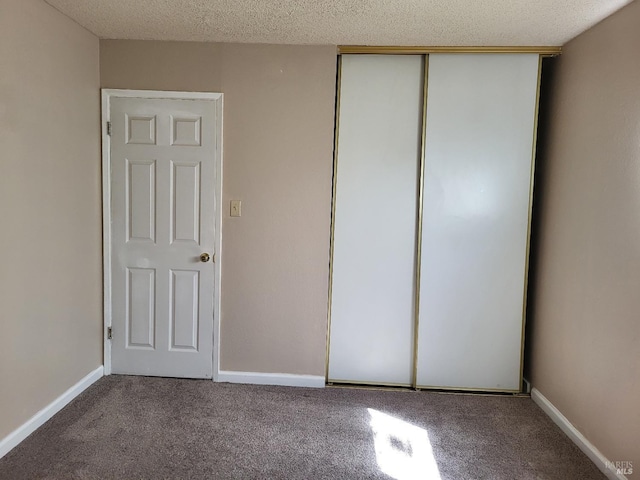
109,333
109,128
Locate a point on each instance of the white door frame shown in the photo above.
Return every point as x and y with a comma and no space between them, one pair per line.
107,95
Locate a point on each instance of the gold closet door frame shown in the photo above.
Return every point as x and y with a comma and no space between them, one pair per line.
424,51
334,182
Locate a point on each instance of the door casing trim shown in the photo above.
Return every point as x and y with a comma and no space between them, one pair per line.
107,95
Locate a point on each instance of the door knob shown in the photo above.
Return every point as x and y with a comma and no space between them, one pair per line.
204,257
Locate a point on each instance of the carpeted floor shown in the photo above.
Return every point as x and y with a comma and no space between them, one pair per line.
161,428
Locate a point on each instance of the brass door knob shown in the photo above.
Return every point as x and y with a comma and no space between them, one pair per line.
205,257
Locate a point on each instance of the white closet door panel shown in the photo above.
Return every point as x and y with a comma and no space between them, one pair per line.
375,219
479,134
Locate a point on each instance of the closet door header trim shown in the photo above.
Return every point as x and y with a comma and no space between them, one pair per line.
416,50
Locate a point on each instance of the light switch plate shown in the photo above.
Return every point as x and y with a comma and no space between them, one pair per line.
236,208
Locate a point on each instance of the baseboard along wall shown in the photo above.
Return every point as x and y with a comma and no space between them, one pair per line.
578,438
23,431
282,379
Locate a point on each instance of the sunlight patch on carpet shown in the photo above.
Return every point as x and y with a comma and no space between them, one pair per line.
403,451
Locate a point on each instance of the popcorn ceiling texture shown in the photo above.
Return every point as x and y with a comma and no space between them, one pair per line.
350,22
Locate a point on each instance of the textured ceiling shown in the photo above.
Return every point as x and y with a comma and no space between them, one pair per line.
343,22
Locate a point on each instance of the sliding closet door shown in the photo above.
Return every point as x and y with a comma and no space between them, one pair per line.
479,138
373,271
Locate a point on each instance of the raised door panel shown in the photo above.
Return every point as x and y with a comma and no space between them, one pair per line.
140,319
185,202
184,321
186,131
140,208
140,129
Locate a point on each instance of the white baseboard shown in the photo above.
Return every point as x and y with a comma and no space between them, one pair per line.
23,431
284,379
576,437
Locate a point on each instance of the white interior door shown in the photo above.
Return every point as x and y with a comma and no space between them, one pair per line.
373,263
479,137
163,176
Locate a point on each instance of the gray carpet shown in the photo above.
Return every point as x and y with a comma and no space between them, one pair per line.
156,428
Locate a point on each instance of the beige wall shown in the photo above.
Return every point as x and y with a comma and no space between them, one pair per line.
50,208
278,154
585,325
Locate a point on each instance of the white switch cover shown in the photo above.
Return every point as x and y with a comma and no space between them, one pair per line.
236,208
